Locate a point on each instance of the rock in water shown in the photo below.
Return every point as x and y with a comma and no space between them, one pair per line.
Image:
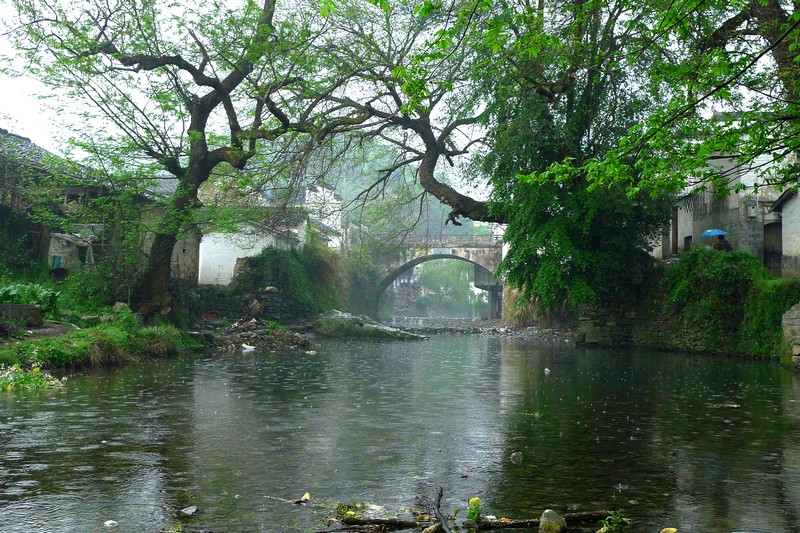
189,511
552,522
338,324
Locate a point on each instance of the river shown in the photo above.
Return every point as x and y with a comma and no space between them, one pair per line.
706,444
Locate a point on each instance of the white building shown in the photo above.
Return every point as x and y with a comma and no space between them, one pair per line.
318,208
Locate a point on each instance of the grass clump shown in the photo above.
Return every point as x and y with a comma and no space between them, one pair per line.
15,377
107,344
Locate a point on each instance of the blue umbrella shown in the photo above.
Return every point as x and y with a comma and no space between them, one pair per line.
713,233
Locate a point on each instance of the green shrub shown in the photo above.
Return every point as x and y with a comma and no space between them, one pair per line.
710,288
31,294
732,297
362,272
760,330
326,271
314,278
109,343
15,377
280,268
89,288
9,327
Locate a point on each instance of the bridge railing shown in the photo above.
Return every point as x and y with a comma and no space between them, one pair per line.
444,240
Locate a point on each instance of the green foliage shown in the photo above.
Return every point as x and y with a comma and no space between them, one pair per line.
16,378
570,244
710,288
9,327
474,509
314,278
280,268
759,333
350,510
31,294
732,297
615,522
448,287
85,290
14,236
326,270
109,343
362,272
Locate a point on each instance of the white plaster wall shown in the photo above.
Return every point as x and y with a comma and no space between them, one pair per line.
685,224
791,227
323,205
219,252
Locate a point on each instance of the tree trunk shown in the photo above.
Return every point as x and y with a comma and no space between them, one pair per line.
772,22
463,206
152,291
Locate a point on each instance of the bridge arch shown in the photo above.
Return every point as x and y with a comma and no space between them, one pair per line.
494,289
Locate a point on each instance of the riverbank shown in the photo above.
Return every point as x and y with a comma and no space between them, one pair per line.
30,357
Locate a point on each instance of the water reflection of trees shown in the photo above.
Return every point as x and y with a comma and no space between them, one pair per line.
607,428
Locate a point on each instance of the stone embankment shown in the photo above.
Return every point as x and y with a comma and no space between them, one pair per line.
790,347
497,329
625,325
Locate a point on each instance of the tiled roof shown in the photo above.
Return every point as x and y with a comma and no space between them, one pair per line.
22,150
18,150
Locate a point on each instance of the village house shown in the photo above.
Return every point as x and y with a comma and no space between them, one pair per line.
206,258
27,171
746,213
222,253
787,207
286,225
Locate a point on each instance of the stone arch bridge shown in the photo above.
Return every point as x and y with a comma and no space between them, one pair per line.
483,251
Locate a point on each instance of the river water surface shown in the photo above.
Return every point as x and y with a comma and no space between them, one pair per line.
705,444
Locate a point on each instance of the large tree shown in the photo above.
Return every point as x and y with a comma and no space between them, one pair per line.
545,84
583,93
193,88
414,82
727,78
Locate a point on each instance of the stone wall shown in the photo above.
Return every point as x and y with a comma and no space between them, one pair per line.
790,347
606,325
631,325
648,326
268,304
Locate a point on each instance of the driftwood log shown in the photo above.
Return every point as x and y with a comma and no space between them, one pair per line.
357,523
388,523
437,512
586,517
